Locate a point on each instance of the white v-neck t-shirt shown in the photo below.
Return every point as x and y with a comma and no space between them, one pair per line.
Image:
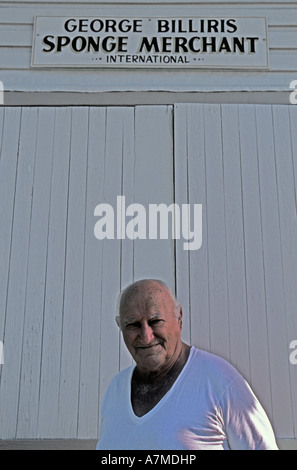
209,407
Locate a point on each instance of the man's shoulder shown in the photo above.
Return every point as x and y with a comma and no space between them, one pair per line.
122,377
213,366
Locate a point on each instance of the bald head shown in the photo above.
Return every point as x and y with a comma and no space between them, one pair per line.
147,290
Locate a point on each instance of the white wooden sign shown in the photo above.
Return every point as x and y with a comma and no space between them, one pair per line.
138,42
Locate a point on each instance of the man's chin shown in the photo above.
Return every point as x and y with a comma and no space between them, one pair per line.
150,362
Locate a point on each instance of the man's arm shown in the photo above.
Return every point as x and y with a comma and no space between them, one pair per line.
245,422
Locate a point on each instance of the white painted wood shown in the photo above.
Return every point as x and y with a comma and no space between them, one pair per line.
182,197
274,287
88,411
216,233
74,276
237,303
16,40
111,255
17,14
35,286
250,200
253,258
128,190
55,270
59,284
9,132
154,185
17,275
285,125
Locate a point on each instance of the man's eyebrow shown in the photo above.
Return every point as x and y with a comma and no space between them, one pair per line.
135,320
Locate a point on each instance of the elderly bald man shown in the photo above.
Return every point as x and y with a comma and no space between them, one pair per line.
175,397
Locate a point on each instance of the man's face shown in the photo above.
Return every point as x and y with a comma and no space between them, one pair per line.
151,329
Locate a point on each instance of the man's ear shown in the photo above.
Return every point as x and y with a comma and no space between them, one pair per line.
180,315
118,321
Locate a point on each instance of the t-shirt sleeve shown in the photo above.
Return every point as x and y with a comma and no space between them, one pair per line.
244,420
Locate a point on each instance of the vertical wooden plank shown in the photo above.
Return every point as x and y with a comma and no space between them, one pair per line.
290,260
154,185
190,186
237,302
275,303
2,114
181,175
90,347
110,267
285,131
8,166
16,296
253,245
199,272
219,321
34,304
127,190
74,272
54,290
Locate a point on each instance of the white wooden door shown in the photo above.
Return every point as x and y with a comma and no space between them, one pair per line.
239,289
59,284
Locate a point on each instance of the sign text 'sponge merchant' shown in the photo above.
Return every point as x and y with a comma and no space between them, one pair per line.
146,41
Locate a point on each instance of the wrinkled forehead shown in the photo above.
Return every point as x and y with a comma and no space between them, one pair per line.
146,298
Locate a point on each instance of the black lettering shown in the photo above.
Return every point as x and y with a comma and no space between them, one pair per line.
122,43
110,25
180,27
98,28
47,42
213,26
252,41
191,44
238,44
166,44
232,26
93,43
68,27
206,44
125,29
108,45
202,26
191,28
163,26
79,43
180,43
145,43
224,46
83,26
137,26
62,41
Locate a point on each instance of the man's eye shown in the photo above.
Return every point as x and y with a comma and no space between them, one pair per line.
155,322
131,326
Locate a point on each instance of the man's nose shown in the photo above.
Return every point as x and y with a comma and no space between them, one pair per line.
146,334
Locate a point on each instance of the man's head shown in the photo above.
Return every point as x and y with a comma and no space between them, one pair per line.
151,322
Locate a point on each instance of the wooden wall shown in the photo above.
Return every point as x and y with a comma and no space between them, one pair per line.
59,284
16,32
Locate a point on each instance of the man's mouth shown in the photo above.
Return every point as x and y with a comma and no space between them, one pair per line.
151,346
